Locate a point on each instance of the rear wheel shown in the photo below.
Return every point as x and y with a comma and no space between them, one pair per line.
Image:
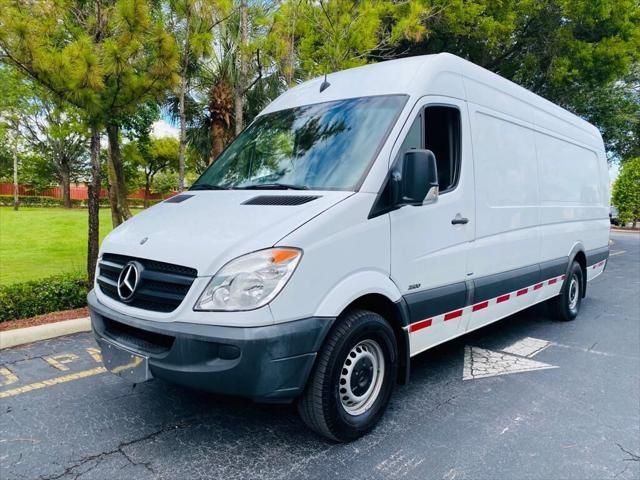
353,378
565,307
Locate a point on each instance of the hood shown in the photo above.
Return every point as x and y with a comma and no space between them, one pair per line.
208,228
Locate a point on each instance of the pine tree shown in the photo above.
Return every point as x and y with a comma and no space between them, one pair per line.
105,57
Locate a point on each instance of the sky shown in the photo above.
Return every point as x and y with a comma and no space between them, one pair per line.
162,128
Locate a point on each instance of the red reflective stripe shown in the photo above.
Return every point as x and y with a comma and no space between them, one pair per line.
480,306
552,281
563,277
503,298
538,286
523,291
452,315
414,327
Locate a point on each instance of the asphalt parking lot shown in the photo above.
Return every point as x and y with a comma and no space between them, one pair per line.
525,398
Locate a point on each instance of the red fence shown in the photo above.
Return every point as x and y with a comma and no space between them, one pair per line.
79,191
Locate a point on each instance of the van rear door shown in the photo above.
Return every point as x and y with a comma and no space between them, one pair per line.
429,243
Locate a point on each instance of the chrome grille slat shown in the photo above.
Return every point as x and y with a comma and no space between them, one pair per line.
162,286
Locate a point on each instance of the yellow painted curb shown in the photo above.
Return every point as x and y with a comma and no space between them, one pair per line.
22,336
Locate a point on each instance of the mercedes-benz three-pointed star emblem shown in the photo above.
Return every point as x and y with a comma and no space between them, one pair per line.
128,281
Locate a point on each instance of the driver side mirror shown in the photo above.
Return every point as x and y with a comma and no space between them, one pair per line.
417,182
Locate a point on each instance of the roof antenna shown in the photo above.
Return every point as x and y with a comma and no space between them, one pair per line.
324,85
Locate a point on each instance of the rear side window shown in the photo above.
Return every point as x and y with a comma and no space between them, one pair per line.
442,137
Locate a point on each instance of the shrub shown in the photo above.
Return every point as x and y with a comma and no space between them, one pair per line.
27,299
36,201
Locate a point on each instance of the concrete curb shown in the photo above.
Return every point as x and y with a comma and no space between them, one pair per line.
21,336
620,230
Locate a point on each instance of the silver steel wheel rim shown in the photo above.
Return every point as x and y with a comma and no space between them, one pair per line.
574,293
365,354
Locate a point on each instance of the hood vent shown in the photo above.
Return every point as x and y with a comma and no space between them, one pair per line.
284,200
178,199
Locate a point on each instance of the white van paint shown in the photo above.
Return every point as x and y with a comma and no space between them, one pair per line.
525,182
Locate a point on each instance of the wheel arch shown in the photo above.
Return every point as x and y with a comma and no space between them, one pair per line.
374,291
579,255
396,314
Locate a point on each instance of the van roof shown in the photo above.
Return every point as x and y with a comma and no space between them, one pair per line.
441,74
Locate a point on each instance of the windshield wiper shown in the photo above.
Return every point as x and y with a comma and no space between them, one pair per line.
207,186
273,186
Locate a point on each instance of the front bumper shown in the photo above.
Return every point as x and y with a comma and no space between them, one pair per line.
269,364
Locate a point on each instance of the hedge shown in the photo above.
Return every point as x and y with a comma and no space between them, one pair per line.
35,201
52,294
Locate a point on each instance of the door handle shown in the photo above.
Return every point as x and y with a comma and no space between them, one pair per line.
459,220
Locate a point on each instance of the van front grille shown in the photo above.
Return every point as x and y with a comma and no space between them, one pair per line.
161,286
142,340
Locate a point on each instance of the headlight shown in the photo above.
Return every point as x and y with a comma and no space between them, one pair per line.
250,281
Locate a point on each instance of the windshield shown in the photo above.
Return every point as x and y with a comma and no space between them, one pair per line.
326,146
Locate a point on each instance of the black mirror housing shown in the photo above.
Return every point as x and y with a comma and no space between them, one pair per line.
419,178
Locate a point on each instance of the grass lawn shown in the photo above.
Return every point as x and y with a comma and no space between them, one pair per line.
39,242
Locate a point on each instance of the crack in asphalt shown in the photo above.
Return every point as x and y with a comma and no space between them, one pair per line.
634,457
99,457
26,359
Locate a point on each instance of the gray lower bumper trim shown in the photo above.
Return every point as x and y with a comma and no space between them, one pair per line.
270,363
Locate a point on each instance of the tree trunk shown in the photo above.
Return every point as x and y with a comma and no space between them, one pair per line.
220,111
217,139
65,180
16,187
94,206
183,91
242,67
290,67
116,216
118,190
183,137
147,190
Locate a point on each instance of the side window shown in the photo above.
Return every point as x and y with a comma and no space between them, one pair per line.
413,140
442,137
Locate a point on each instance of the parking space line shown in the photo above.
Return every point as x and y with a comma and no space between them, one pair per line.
52,381
8,375
617,252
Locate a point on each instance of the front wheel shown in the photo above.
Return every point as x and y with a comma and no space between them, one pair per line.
565,307
353,378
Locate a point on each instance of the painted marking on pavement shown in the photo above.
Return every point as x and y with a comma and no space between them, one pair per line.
617,252
58,361
8,377
595,352
527,347
52,381
482,363
95,353
516,358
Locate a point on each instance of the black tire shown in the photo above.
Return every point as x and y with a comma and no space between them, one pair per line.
322,405
566,306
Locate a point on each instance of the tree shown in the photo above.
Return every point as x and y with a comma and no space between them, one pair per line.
242,65
61,138
192,24
160,155
105,57
626,192
572,52
339,34
13,104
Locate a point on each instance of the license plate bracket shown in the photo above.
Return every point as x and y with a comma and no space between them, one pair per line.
125,363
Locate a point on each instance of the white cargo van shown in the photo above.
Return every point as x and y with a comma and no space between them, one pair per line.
359,220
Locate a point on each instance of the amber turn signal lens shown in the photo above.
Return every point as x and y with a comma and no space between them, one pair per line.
283,255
